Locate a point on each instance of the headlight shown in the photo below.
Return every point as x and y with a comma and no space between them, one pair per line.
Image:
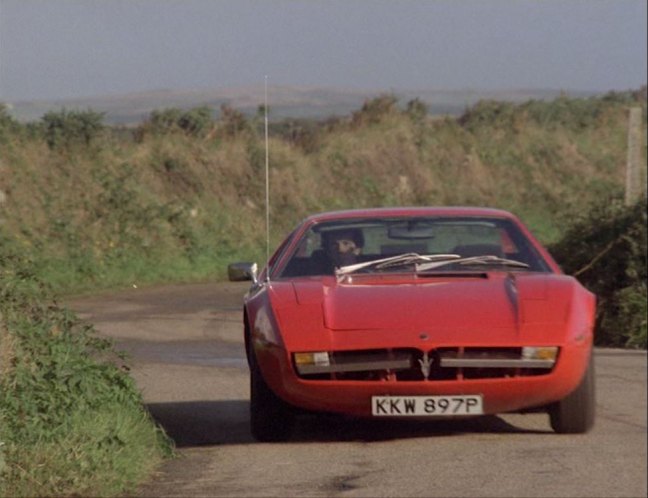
540,353
320,359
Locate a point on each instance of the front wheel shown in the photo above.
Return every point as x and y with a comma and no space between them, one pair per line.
575,413
271,418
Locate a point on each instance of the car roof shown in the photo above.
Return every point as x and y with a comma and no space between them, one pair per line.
409,211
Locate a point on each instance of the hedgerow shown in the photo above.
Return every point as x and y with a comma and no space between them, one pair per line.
71,419
606,250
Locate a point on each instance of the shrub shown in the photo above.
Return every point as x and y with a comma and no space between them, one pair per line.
233,122
63,129
487,113
303,133
375,110
416,110
165,120
194,122
8,125
606,250
197,121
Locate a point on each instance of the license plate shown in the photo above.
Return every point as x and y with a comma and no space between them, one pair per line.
426,406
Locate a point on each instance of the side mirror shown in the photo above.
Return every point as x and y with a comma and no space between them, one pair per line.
239,272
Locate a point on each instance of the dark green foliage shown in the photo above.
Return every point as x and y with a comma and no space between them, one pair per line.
565,112
375,110
573,114
194,122
165,120
627,98
304,133
233,122
606,250
487,112
63,129
8,125
417,110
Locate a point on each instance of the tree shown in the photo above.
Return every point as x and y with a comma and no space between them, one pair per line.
374,110
416,110
65,128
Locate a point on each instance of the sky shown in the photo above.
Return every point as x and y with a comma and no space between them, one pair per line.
55,49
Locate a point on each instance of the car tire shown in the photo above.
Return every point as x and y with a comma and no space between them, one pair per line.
271,418
575,413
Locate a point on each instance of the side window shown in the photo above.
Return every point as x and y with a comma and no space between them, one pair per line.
301,262
508,246
309,243
278,253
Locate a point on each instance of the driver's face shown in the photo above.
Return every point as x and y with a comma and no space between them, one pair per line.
342,249
342,245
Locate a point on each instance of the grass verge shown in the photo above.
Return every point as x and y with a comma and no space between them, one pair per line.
72,421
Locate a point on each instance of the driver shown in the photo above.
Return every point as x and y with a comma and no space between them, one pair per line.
342,246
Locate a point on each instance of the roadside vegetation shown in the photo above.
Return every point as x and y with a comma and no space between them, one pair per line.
606,250
71,419
86,207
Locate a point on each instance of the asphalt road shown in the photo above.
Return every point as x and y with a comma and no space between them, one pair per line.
187,357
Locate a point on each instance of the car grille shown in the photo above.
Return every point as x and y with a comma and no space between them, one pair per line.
441,364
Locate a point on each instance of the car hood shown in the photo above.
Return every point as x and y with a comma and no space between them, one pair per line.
499,302
448,303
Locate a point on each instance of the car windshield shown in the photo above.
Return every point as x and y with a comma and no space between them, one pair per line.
420,244
428,262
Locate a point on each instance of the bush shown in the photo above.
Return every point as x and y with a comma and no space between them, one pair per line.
233,122
606,250
487,113
417,110
195,122
375,110
165,120
303,133
8,125
63,129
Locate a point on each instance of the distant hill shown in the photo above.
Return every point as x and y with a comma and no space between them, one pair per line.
284,101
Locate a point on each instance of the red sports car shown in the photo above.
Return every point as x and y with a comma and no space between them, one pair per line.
416,312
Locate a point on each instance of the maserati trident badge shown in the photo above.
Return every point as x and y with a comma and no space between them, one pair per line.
425,363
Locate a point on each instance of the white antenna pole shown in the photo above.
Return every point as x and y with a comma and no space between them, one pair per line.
267,183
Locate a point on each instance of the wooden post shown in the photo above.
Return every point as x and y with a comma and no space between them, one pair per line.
635,186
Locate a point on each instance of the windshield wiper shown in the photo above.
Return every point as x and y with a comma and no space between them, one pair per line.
475,260
398,260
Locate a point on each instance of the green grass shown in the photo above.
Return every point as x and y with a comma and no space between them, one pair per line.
96,452
72,421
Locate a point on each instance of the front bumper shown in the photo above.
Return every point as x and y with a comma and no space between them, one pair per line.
353,397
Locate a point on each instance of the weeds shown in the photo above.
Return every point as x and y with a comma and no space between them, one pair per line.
71,419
